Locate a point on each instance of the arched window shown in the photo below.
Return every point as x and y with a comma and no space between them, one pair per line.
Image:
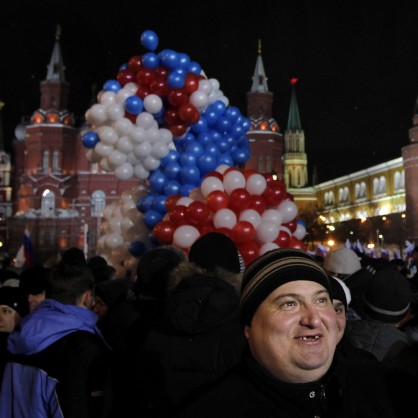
48,203
375,186
98,202
362,189
382,185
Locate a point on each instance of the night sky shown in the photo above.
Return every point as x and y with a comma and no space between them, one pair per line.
356,62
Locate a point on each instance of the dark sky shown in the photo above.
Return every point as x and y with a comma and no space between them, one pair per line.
356,61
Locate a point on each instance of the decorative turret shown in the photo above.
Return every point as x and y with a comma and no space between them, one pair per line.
295,159
266,141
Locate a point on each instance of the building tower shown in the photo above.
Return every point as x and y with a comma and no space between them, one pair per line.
410,163
266,141
295,159
58,193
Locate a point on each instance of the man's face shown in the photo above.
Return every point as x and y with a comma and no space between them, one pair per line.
35,300
294,332
100,307
9,318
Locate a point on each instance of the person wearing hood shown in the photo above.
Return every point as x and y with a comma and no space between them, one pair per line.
59,360
199,338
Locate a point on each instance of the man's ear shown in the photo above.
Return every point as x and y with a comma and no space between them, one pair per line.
247,330
87,299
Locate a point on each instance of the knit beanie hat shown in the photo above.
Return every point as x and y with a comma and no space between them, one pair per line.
340,291
273,269
15,298
214,250
33,280
388,296
342,261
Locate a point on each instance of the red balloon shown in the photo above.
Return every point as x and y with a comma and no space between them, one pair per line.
206,228
191,83
125,77
274,193
243,232
292,225
249,251
159,86
226,231
268,177
197,213
131,117
248,172
144,77
188,113
283,239
163,232
297,244
178,215
239,199
142,92
176,97
162,72
215,174
258,203
289,196
171,116
229,170
178,129
171,201
135,63
217,200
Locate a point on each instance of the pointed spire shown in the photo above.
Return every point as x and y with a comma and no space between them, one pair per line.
56,65
293,122
259,77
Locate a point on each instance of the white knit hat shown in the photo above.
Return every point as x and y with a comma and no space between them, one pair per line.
342,261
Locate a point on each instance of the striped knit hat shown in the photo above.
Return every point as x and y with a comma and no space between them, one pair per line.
273,269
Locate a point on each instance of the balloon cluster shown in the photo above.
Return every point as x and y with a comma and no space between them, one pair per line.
162,119
254,210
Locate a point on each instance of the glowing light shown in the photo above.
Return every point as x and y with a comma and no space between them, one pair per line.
331,242
293,81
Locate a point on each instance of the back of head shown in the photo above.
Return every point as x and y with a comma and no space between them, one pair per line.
15,298
113,292
66,283
73,255
342,261
154,269
340,291
215,250
33,280
387,297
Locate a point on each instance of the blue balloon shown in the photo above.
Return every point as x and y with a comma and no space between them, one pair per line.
172,187
144,203
223,145
150,60
195,68
172,170
226,159
136,248
124,66
200,126
187,159
194,148
211,149
151,218
157,181
184,61
172,156
169,58
112,85
134,105
159,204
206,163
176,79
223,124
90,139
190,174
149,40
186,189
232,113
241,155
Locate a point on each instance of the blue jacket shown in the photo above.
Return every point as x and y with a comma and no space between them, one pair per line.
58,366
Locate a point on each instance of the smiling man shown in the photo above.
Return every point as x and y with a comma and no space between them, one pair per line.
291,367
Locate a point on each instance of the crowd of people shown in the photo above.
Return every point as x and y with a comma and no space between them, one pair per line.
202,335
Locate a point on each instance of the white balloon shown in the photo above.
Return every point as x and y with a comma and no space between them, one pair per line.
222,168
215,83
268,246
124,171
138,134
108,135
143,150
251,216
211,183
102,149
267,231
289,210
131,87
140,172
122,95
123,126
166,136
124,145
116,158
224,100
114,223
184,200
145,119
153,103
185,235
126,224
205,86
233,180
159,150
199,99
151,163
256,184
115,111
299,232
272,215
153,135
114,240
224,218
97,114
106,97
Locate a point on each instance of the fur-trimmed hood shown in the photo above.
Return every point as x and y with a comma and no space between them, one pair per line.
200,300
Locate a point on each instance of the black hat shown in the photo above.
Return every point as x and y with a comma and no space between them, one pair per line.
73,255
214,250
15,298
388,296
113,291
33,280
273,269
154,268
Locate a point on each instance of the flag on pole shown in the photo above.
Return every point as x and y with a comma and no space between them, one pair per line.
25,255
